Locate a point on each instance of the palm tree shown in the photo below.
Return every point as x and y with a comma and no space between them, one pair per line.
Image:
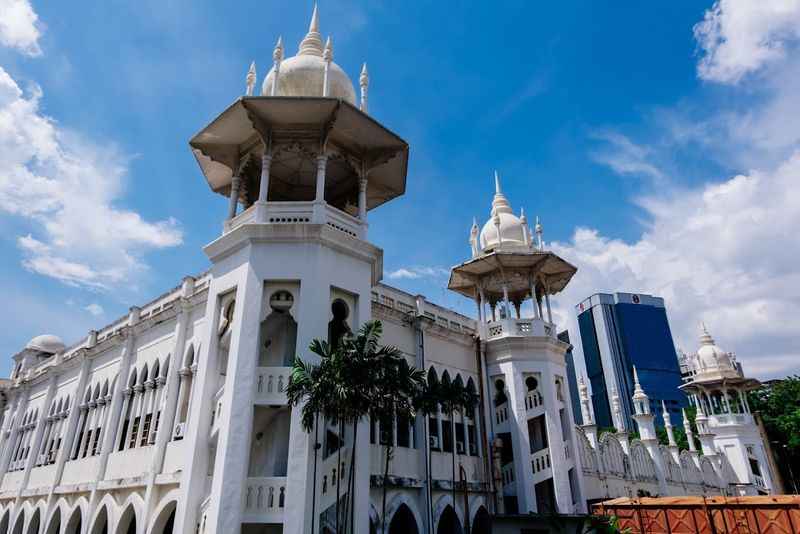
451,396
316,387
397,385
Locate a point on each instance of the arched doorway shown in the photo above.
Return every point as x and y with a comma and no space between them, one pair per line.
449,523
33,526
55,523
101,523
480,524
166,519
127,522
403,522
19,523
75,523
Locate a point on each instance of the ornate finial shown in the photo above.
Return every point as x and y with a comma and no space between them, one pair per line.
251,79
539,234
311,45
474,229
665,413
327,54
636,379
586,413
277,54
363,81
705,337
497,190
499,202
522,217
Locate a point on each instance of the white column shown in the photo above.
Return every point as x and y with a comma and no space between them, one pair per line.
233,200
263,188
322,162
127,399
36,434
362,199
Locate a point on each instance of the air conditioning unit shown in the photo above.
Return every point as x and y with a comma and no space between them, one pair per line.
434,442
180,429
460,447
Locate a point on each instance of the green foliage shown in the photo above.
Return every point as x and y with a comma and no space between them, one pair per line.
600,524
778,405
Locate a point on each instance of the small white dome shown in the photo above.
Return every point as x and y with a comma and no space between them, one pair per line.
513,230
47,343
709,355
303,75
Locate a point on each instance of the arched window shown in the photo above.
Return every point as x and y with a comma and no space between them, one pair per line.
278,332
338,326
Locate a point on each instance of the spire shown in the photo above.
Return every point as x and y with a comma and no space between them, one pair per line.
705,337
251,79
539,234
668,425
473,237
687,427
616,410
311,45
641,402
500,202
327,54
474,229
277,54
586,411
363,81
271,89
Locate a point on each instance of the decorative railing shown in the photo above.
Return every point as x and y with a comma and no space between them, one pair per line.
732,419
298,213
540,460
270,384
265,499
507,474
501,414
759,481
518,328
533,400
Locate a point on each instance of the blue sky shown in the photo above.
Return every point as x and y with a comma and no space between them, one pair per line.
651,138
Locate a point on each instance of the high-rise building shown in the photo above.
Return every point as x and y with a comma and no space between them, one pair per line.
621,331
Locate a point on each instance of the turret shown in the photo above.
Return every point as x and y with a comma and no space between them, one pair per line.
589,427
641,404
619,421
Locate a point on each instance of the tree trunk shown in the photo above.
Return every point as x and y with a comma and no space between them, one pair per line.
385,481
339,471
316,453
351,483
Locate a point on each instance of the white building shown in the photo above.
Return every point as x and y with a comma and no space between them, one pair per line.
717,387
174,418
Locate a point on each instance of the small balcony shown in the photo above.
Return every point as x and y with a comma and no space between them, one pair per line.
540,464
534,402
518,328
264,500
729,419
297,212
270,385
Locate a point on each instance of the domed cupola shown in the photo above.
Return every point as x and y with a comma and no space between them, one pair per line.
709,355
305,74
504,231
46,344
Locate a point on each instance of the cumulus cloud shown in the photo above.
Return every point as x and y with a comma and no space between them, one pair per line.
94,309
415,273
68,188
739,37
20,27
625,156
724,253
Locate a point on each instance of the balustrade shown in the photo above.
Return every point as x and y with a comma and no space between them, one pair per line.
296,212
264,499
270,385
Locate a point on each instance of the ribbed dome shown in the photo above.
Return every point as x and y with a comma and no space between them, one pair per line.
709,355
513,231
46,343
304,74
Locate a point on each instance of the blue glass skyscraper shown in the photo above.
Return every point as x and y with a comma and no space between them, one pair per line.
622,330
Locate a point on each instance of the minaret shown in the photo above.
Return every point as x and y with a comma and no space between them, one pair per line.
473,238
539,234
363,81
645,420
704,433
589,427
526,236
251,79
687,428
259,265
619,421
327,55
672,445
523,354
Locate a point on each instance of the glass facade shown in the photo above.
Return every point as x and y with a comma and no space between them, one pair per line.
634,332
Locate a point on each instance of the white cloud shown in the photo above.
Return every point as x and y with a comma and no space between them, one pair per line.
415,273
20,26
95,309
624,156
68,188
739,37
724,253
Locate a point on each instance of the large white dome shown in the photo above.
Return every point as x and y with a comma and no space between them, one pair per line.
304,74
47,343
504,230
709,355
